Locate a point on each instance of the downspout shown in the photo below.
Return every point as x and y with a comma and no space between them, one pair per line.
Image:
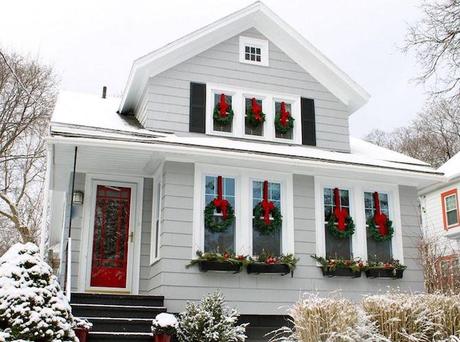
44,236
68,274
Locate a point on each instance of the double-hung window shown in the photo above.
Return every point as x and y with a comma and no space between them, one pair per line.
336,247
451,215
270,243
377,250
219,241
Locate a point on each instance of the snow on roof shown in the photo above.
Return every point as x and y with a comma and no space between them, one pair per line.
90,116
451,168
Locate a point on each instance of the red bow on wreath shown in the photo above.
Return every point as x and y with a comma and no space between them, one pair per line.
256,109
223,106
380,219
267,205
220,203
340,213
284,115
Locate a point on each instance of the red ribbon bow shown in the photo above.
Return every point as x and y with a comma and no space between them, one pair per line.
284,115
340,213
223,106
267,205
220,203
380,219
256,109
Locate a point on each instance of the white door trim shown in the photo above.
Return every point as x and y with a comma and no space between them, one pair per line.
137,186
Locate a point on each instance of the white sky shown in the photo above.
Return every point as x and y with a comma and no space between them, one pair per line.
92,43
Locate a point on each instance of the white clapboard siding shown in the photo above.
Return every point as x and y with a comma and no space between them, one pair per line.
164,105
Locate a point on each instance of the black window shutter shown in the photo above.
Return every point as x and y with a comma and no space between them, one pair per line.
197,108
307,108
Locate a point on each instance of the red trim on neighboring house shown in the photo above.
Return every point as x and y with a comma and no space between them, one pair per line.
444,213
448,274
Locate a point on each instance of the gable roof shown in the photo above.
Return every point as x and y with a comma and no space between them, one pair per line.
266,22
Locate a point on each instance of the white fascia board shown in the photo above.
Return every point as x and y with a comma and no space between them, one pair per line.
268,23
296,165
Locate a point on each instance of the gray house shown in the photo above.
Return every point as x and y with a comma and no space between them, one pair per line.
242,114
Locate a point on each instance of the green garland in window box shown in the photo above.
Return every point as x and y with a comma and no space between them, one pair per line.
267,263
341,234
373,229
221,225
226,261
261,225
340,267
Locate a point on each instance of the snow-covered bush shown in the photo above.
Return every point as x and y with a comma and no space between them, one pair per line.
80,323
164,323
415,317
211,321
32,305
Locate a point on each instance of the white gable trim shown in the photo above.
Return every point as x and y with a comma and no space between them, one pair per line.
266,22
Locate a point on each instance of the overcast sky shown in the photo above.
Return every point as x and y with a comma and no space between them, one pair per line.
92,43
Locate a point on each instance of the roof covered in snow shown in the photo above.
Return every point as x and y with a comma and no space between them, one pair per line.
451,168
89,116
270,25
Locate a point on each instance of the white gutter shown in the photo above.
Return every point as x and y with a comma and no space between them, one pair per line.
209,152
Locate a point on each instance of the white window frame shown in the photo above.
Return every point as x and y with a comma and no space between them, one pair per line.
359,238
239,108
243,205
257,43
157,199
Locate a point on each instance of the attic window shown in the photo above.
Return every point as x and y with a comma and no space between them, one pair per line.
253,51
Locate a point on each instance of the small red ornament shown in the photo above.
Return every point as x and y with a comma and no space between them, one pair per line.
223,106
221,203
381,220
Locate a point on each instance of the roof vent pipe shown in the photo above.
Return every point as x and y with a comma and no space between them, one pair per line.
104,92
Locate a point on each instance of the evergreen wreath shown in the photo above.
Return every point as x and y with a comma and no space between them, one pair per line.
374,230
284,121
341,234
219,225
255,117
226,117
261,225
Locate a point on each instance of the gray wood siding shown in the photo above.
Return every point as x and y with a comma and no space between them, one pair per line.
164,105
77,221
255,294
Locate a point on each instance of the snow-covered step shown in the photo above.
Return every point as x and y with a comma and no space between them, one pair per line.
116,311
98,336
101,324
116,299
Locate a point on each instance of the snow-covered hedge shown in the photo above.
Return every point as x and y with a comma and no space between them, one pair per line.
390,317
211,321
32,305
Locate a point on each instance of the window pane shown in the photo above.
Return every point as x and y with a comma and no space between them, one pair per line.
376,250
452,217
217,126
258,51
270,243
246,49
335,247
287,135
451,203
222,241
250,129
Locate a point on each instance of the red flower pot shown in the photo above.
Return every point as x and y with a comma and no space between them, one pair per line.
82,334
162,338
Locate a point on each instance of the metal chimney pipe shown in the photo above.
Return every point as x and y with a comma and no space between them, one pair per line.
104,92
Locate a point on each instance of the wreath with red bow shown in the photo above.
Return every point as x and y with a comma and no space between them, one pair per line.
223,112
284,121
221,206
255,116
267,217
380,226
340,223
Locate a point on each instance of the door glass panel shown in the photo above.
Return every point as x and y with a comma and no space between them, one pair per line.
110,238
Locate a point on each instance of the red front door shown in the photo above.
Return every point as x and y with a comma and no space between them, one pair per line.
110,237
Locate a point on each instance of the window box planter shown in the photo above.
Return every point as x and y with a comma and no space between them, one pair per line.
384,273
82,334
224,266
341,272
259,267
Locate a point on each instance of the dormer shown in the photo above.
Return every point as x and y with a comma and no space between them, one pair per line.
250,62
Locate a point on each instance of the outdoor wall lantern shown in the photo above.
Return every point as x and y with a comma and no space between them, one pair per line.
78,197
